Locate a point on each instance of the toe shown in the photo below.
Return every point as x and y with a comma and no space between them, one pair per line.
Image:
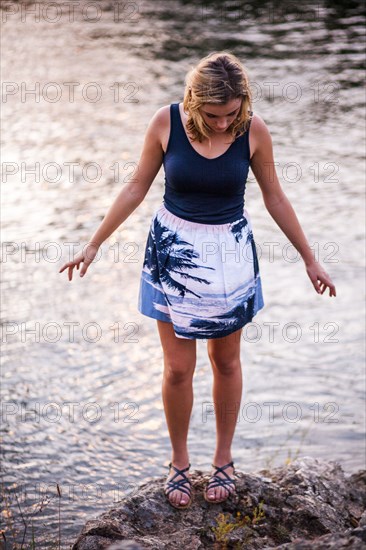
211,494
177,498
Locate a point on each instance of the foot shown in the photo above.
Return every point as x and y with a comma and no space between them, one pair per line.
178,487
221,483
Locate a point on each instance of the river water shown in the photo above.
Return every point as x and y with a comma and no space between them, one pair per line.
82,368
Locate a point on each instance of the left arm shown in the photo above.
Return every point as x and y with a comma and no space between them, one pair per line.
279,207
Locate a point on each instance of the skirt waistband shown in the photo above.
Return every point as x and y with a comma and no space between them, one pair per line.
163,212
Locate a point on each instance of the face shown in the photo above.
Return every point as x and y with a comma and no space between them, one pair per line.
219,117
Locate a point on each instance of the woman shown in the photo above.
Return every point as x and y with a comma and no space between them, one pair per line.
200,276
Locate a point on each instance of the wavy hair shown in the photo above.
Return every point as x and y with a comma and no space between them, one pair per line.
217,78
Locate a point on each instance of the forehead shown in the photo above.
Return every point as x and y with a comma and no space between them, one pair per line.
223,109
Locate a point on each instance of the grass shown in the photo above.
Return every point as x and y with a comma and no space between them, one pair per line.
291,454
10,535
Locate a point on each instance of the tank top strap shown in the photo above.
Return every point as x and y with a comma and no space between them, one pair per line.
178,140
246,137
175,117
177,137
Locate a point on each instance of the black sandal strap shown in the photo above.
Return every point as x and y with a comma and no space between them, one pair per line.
217,481
177,485
222,468
171,465
171,485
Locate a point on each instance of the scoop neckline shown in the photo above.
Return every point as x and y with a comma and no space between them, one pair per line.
199,154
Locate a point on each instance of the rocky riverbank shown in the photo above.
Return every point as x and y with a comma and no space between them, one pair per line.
305,505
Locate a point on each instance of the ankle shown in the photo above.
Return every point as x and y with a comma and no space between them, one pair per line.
222,459
180,461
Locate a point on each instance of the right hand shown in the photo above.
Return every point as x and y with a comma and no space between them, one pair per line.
86,256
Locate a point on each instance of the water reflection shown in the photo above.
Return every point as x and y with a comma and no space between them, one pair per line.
72,397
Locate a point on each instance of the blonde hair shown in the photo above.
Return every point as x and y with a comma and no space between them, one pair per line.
217,78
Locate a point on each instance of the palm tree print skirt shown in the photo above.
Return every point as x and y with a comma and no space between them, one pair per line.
203,278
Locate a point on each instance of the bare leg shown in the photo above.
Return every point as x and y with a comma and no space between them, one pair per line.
224,354
177,393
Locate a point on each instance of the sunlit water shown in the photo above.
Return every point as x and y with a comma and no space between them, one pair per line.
82,368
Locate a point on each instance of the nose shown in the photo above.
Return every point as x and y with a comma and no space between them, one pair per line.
221,124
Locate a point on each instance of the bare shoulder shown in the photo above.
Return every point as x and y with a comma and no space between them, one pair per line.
258,127
259,136
160,125
162,115
163,125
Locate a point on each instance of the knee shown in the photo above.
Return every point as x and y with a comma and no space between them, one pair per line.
176,372
227,366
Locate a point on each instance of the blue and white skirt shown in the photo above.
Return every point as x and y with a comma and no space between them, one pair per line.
202,278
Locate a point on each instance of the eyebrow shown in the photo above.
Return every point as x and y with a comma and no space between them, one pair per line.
213,114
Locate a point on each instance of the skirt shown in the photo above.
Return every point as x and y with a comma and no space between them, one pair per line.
202,278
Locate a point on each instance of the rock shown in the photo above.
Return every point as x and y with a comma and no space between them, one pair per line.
126,545
309,504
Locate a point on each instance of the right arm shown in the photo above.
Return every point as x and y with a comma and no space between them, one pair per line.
129,198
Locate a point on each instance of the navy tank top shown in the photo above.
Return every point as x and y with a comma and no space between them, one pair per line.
200,189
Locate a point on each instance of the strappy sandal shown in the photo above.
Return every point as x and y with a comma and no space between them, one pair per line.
172,485
217,481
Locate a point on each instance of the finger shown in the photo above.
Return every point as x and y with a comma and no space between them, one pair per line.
331,287
68,265
332,290
70,272
317,286
327,280
84,269
63,268
324,283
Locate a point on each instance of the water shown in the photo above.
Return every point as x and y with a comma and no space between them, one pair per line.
82,368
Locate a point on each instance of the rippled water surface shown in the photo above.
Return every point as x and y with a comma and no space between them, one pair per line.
82,368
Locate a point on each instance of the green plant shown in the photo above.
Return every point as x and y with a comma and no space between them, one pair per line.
303,431
258,513
226,524
293,456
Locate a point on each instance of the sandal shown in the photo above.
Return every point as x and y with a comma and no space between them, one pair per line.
171,485
217,481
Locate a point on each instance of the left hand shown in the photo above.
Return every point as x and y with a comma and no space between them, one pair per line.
320,278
